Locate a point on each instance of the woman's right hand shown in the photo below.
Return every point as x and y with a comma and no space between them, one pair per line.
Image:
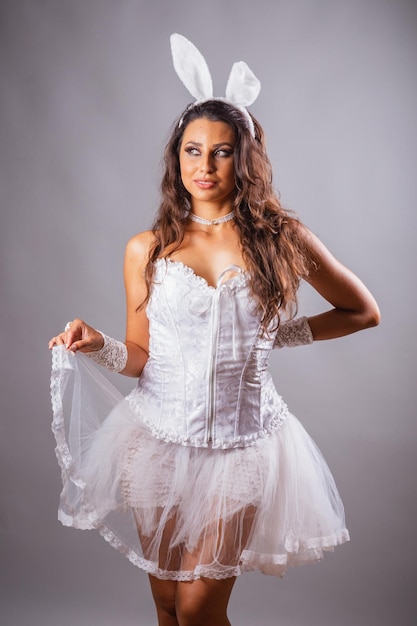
78,336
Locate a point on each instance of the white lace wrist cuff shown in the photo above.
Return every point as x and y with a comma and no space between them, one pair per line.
112,356
294,333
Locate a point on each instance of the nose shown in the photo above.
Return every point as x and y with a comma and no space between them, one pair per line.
207,163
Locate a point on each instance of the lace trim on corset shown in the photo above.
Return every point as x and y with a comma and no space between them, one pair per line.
136,403
237,281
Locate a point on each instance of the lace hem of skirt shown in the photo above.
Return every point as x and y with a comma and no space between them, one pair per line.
269,564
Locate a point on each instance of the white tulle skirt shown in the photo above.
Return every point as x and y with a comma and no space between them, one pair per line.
181,512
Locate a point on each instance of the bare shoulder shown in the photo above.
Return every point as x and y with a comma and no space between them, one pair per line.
315,249
139,247
307,237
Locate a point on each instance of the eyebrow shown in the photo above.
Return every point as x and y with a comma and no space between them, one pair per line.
215,145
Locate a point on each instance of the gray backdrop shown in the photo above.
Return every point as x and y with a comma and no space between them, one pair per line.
88,94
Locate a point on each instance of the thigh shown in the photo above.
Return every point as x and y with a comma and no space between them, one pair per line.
157,547
164,594
203,601
220,545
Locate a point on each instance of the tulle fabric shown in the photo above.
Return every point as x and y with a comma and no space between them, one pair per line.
181,512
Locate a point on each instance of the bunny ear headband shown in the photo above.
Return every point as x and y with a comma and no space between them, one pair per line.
242,86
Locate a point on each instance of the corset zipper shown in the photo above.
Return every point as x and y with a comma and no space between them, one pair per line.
212,402
214,331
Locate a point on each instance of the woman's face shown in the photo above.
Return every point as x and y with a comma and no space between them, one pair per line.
206,161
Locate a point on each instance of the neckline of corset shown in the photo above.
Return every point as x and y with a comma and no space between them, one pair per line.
239,274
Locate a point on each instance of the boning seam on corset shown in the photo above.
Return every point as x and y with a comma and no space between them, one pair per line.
181,355
239,397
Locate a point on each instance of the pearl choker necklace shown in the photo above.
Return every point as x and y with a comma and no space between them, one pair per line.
218,220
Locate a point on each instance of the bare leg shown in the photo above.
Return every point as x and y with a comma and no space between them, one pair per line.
164,594
203,602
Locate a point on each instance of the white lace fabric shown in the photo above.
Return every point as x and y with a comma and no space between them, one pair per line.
112,356
258,496
294,333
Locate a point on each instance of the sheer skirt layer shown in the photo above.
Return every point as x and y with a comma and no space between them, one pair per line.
181,512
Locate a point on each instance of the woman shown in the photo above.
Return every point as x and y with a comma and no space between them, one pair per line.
203,459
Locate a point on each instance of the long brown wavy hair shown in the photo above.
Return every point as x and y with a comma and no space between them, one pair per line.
273,253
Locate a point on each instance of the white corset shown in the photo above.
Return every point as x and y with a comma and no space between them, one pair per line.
206,381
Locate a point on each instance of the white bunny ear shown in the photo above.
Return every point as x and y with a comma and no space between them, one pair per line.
242,86
191,67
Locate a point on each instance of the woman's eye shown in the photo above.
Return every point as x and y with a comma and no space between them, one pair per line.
223,153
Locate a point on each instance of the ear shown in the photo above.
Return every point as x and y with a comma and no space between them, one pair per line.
191,68
242,86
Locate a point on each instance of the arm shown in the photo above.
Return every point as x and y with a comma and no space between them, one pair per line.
354,307
108,352
137,324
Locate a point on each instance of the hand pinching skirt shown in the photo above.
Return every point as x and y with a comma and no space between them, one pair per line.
181,512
